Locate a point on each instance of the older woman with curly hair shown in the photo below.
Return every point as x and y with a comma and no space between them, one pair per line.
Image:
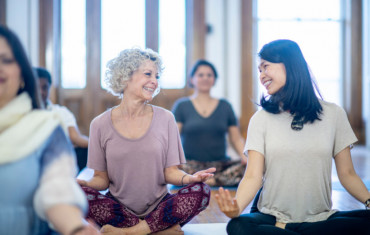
135,151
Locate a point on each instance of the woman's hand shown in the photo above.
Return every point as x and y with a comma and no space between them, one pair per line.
201,176
243,159
99,181
229,206
81,182
89,228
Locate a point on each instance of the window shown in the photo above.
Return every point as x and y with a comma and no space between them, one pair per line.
172,46
122,27
73,44
318,32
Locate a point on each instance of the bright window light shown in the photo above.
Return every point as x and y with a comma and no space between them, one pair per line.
318,32
73,44
122,27
172,43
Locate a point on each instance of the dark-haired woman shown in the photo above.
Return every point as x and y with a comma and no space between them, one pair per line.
37,162
290,144
204,122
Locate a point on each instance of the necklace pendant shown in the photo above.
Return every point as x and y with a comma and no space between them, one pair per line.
297,124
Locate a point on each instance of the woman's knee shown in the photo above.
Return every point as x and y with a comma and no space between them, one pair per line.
200,191
236,226
89,190
197,188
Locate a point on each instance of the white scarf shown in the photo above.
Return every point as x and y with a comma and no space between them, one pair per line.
23,130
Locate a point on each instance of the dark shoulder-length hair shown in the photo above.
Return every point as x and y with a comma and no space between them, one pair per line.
298,94
199,63
30,83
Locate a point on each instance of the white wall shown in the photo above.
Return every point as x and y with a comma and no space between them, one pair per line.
366,69
223,48
215,49
233,53
22,18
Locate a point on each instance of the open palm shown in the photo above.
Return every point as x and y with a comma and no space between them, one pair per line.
227,204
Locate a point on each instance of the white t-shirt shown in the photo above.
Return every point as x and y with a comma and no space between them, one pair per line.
66,116
298,164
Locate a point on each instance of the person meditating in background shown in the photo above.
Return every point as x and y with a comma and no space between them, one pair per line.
204,122
291,144
135,151
79,140
37,162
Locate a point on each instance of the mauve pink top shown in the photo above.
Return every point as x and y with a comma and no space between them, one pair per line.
135,167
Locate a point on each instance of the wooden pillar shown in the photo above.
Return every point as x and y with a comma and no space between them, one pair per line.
93,61
353,83
49,54
247,58
196,30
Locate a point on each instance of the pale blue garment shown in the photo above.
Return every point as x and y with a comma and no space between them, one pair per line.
19,181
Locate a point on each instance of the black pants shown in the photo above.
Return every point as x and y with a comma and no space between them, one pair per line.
81,155
254,207
344,222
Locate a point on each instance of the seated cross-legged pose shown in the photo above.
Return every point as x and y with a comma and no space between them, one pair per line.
204,123
135,151
291,144
37,161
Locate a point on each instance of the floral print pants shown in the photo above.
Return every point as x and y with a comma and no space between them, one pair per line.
178,208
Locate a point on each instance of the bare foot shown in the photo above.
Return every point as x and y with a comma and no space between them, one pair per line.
174,230
280,225
211,182
141,228
110,230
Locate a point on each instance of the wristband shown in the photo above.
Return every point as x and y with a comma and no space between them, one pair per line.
367,204
182,180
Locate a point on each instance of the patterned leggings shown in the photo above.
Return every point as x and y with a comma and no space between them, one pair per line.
178,208
228,173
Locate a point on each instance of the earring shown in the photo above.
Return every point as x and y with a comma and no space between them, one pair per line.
22,84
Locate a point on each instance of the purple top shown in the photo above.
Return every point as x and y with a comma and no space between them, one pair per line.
135,167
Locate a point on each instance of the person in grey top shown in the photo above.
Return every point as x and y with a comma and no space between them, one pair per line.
291,143
204,123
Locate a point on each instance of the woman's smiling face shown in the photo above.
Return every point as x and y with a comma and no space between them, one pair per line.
144,81
272,76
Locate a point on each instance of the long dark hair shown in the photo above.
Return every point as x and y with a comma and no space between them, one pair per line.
298,94
30,83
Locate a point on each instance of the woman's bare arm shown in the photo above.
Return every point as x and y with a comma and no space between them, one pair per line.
100,181
348,176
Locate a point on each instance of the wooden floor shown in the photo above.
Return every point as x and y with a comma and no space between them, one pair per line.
341,199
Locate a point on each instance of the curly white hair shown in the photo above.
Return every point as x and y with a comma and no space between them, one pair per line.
120,69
